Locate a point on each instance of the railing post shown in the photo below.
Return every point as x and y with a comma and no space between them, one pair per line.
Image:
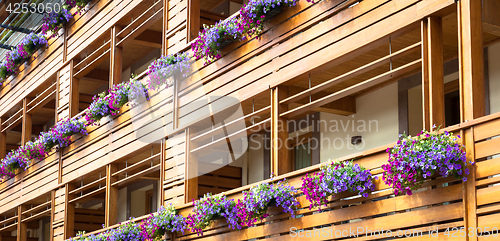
470,197
27,123
164,29
432,73
115,69
472,101
69,212
22,228
279,132
74,91
52,213
3,141
111,205
193,19
162,171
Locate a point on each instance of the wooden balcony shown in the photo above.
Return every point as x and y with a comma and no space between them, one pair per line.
351,47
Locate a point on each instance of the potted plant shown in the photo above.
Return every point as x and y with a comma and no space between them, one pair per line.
256,12
210,208
166,219
412,160
213,38
258,199
335,178
161,70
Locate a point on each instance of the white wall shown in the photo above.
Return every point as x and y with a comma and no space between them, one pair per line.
376,120
494,77
122,205
255,159
415,113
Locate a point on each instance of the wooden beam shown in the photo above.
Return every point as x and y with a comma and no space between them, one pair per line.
471,60
3,141
116,58
162,171
280,163
111,200
432,73
74,92
52,213
69,211
193,19
27,123
191,176
164,29
22,227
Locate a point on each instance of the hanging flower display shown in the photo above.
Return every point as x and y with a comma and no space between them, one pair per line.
54,21
14,160
412,160
258,199
213,38
210,208
164,220
335,178
104,105
162,69
255,12
31,43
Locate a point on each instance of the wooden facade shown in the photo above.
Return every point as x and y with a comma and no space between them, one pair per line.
349,47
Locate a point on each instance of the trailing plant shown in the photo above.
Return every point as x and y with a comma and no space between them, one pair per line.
210,208
4,71
33,150
258,199
109,104
54,21
13,161
162,69
31,43
412,160
255,12
23,51
128,231
212,38
335,178
166,219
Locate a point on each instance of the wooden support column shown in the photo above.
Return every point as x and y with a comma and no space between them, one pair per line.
471,60
111,205
164,29
74,92
280,163
191,176
193,18
27,123
52,213
432,73
162,171
115,73
472,91
22,228
69,212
